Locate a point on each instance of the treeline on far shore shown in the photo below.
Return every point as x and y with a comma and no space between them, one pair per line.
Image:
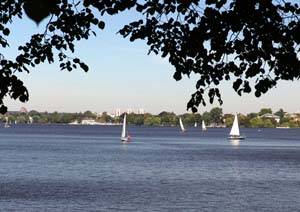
213,118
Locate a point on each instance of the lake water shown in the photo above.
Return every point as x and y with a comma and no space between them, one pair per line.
86,168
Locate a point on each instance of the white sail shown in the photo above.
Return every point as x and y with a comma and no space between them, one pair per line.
123,135
235,131
30,120
181,125
195,125
6,125
203,125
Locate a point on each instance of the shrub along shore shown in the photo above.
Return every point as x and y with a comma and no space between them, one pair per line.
213,118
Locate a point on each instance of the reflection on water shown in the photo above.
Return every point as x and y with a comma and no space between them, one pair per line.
235,142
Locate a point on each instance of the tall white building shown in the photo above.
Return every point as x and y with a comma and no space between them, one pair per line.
118,112
140,111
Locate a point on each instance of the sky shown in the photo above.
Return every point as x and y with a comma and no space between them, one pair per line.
123,76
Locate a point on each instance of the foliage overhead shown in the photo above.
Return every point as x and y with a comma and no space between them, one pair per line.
218,40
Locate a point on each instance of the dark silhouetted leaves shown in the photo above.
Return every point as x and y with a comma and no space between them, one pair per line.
37,10
217,40
101,25
84,67
6,31
177,76
227,39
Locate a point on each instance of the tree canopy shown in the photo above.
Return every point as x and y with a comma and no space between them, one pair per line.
265,111
218,40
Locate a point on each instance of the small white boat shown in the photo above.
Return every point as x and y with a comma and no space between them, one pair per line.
125,138
281,127
74,122
181,125
203,126
6,125
30,120
235,130
195,125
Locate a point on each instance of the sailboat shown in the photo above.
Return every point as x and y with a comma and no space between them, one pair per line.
6,125
125,138
235,130
195,125
30,121
203,126
181,125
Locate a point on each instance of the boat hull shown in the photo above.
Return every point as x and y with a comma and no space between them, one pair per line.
125,140
236,138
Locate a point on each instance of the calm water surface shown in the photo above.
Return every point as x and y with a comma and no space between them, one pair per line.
85,168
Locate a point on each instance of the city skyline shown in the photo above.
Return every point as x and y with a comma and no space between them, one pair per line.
120,111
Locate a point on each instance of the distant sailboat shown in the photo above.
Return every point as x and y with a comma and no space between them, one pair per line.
125,138
30,121
6,125
195,125
235,130
181,125
203,126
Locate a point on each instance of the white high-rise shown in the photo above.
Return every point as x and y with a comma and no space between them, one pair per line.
141,111
117,112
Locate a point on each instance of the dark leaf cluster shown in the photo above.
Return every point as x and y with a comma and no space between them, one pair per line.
253,43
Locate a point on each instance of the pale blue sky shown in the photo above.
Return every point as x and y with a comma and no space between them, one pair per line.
122,75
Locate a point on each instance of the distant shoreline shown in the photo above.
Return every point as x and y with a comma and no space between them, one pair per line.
265,118
160,126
